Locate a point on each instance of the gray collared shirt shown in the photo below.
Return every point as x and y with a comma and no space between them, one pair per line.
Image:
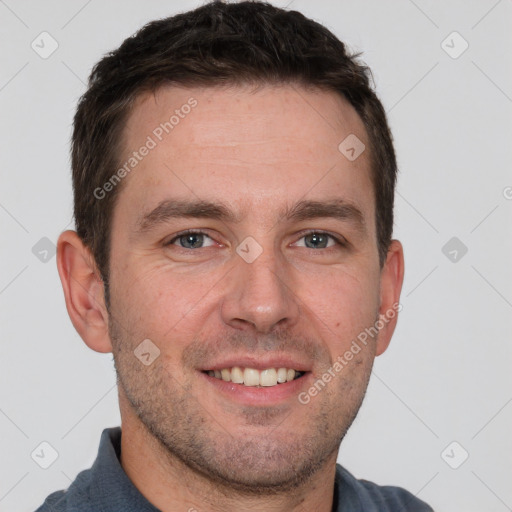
105,487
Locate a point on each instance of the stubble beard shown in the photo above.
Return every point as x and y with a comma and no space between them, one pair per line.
270,457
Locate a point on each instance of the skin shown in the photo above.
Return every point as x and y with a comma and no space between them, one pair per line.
185,444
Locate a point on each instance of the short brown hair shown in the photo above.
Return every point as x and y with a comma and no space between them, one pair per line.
216,44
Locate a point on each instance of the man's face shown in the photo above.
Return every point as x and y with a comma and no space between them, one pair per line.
255,289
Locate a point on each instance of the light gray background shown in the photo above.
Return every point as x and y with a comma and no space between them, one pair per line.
446,375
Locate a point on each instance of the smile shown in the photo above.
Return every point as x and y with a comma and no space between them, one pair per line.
256,378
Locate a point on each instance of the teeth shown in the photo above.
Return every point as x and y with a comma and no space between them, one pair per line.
237,376
252,377
269,377
281,375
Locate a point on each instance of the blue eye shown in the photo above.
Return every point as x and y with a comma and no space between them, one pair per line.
192,239
319,240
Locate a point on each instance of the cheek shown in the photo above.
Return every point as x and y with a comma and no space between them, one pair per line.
342,303
163,302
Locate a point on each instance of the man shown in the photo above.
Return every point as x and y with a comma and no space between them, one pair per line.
233,178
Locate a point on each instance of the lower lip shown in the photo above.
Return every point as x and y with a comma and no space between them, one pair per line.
266,395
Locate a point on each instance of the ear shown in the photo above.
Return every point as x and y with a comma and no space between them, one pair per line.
83,291
392,276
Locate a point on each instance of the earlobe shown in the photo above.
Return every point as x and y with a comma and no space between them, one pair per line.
83,291
392,276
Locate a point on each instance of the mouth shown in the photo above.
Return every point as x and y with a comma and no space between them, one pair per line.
264,380
252,377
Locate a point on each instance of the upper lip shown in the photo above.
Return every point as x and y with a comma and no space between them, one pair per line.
260,363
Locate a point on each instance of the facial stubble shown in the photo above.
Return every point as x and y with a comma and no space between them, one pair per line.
268,453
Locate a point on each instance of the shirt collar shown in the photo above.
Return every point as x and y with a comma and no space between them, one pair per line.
111,489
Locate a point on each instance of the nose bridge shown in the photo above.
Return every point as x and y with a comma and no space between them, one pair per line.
261,291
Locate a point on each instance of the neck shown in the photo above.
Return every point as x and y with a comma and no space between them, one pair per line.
169,484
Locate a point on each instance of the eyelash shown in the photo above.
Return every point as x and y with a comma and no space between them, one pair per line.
340,242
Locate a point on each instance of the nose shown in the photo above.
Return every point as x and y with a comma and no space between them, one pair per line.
261,296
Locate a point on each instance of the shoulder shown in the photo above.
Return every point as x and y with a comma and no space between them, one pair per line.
55,502
75,498
363,495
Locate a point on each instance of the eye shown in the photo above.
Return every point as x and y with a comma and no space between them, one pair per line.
193,239
190,239
320,240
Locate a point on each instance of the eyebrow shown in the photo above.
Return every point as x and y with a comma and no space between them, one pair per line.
168,209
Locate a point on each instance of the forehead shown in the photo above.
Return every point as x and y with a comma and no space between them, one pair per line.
253,148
